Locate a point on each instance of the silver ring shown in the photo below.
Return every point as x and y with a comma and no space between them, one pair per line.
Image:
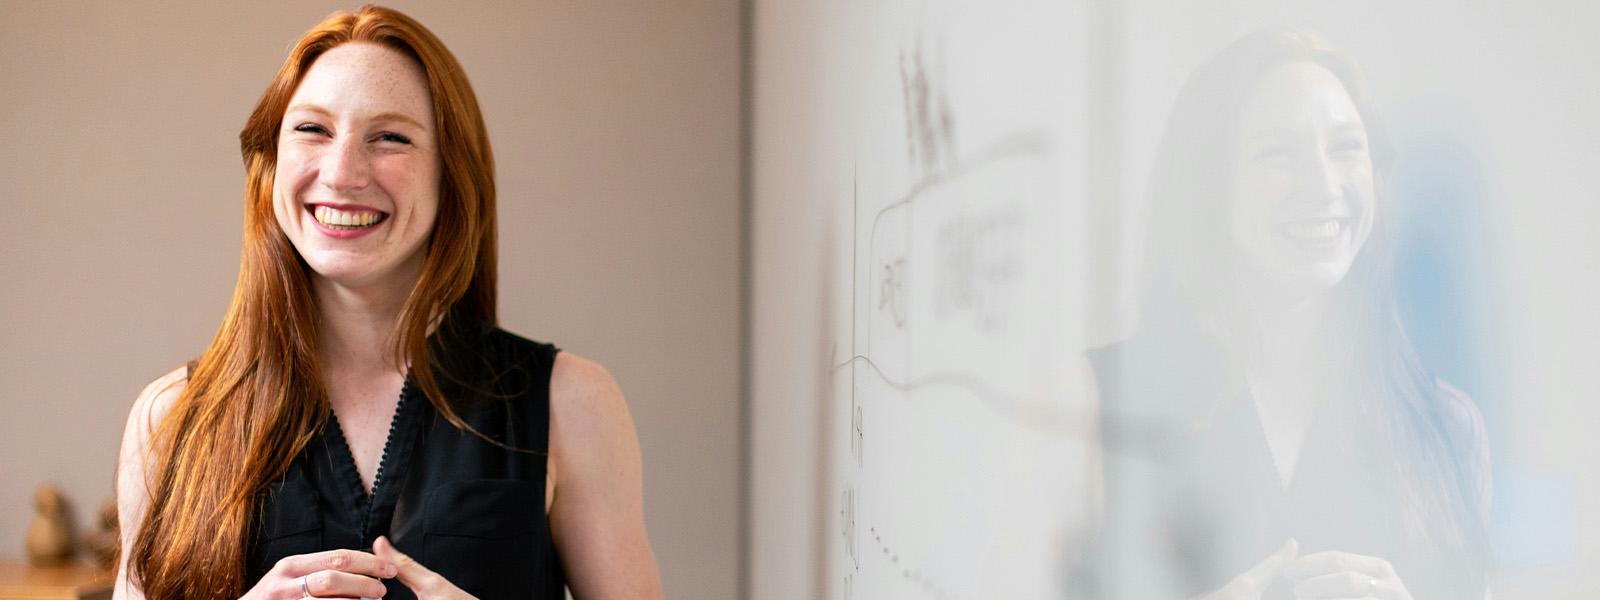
305,592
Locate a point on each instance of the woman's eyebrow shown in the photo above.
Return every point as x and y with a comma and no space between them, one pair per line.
1349,126
383,116
1272,134
394,116
308,108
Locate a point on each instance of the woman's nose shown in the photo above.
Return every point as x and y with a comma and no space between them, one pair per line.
1320,179
344,167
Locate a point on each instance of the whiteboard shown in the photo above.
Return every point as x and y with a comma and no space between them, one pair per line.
935,188
958,430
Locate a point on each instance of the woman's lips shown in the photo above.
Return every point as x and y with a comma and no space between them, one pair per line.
345,221
1315,233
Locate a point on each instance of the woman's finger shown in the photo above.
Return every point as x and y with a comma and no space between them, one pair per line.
339,584
1327,563
1259,578
417,577
347,561
1345,584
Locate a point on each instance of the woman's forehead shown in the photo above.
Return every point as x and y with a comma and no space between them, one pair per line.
1297,97
360,80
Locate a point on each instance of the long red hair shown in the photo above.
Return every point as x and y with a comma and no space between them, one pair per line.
256,396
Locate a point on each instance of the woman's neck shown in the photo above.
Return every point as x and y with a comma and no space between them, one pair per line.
1292,342
355,324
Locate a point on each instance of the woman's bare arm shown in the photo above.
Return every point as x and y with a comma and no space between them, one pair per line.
597,519
132,494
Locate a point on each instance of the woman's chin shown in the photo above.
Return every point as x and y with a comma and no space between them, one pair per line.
391,273
1312,277
344,274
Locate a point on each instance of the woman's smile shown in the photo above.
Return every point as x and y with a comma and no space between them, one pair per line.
345,221
1314,234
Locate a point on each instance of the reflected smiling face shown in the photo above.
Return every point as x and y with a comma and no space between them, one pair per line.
357,183
1303,194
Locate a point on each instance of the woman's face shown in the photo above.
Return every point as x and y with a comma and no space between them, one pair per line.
1303,197
357,182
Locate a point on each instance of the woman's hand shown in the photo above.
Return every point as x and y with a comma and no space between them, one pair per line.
426,584
1250,584
330,574
1345,575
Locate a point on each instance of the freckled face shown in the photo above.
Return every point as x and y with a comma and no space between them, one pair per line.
357,183
1303,194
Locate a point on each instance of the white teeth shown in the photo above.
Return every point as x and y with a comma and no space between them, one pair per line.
345,218
1314,230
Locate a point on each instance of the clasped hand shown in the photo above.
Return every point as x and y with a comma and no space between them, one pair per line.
351,574
1330,574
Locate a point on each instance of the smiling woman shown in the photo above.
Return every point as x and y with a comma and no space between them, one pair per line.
316,448
1270,431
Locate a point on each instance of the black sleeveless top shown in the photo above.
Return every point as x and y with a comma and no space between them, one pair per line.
468,509
1193,498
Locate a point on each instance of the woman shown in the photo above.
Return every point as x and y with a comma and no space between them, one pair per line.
1270,432
359,427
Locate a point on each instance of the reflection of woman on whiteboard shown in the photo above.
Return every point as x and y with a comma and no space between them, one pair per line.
1270,432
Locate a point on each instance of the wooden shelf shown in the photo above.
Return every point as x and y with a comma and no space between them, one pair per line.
20,581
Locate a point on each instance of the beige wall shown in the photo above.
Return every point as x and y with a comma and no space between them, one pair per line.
615,126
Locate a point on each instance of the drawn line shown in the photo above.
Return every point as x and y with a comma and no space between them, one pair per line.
1017,145
1071,423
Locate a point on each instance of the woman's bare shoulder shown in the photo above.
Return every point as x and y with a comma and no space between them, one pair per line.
1463,422
590,426
583,391
149,408
157,399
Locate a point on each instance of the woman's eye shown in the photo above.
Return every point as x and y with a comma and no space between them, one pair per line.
311,128
1349,146
388,136
1272,154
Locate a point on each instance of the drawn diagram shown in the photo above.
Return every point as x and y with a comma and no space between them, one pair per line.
956,370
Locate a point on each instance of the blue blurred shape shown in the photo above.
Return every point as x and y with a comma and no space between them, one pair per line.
1532,524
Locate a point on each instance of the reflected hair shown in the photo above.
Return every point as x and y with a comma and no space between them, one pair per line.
1190,278
256,395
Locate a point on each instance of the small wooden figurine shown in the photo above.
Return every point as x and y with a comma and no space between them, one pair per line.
49,542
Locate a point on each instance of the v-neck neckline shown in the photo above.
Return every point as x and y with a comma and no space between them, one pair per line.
1284,476
391,464
1322,419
